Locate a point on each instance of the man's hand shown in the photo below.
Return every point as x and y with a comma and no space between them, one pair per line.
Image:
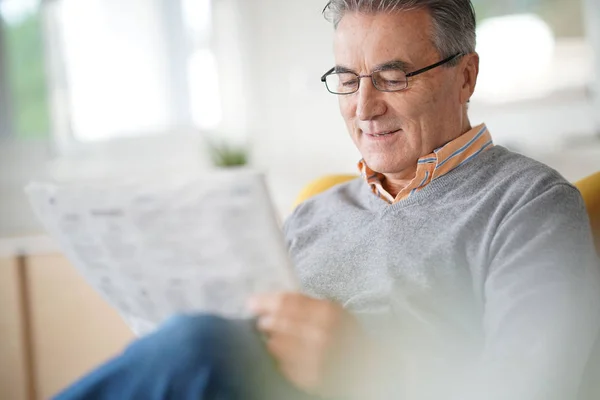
318,346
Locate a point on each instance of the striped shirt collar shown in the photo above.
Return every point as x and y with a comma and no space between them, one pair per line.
434,165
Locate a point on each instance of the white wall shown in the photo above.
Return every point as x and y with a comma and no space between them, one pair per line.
592,21
292,121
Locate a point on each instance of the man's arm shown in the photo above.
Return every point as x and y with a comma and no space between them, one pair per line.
542,301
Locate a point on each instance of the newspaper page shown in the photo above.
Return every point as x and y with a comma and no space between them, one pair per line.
196,244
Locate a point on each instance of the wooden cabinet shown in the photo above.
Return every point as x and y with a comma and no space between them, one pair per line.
57,326
13,374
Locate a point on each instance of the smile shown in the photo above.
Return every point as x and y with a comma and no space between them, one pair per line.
382,134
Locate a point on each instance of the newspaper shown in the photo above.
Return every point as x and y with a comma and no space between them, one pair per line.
154,249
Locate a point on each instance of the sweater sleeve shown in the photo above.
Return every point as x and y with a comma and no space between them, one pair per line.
542,301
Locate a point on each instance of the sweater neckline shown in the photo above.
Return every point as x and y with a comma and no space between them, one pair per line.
435,188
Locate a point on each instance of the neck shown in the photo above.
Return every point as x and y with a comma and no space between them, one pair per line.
394,183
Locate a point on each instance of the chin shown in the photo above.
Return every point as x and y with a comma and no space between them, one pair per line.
381,167
387,166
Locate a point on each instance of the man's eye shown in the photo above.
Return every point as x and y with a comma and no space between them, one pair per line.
349,82
393,84
392,77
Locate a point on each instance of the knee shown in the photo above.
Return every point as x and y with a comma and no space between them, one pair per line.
185,338
193,329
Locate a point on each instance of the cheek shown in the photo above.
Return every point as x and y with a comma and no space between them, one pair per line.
416,107
424,95
438,96
406,109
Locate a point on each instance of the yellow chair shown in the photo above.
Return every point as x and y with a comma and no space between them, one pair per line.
590,191
589,188
320,185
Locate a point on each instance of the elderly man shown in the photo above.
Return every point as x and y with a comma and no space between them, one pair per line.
451,269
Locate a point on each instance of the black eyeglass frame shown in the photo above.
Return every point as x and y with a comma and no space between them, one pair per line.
408,75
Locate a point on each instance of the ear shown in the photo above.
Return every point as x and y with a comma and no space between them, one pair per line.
470,71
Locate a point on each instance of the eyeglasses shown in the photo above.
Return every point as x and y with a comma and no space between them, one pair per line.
385,80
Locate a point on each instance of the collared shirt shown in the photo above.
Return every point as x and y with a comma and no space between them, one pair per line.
430,167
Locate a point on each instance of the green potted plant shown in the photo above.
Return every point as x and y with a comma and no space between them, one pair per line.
224,155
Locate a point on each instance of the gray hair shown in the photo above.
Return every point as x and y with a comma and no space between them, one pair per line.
453,20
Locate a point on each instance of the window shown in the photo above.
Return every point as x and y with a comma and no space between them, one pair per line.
531,49
205,100
132,68
25,107
564,17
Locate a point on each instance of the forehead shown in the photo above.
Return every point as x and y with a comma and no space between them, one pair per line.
363,39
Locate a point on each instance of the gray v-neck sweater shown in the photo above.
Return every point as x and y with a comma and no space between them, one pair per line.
490,268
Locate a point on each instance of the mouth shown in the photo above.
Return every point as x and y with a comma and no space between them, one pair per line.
382,134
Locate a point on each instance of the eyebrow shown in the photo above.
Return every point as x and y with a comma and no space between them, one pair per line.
394,64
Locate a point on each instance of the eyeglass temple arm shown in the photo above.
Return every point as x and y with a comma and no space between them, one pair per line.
422,70
417,72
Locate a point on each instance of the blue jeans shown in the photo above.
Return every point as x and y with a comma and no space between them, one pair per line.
190,357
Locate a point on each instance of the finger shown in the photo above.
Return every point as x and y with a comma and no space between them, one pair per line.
272,324
282,324
291,329
289,304
268,303
297,315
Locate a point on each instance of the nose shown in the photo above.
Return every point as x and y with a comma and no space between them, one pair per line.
370,103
